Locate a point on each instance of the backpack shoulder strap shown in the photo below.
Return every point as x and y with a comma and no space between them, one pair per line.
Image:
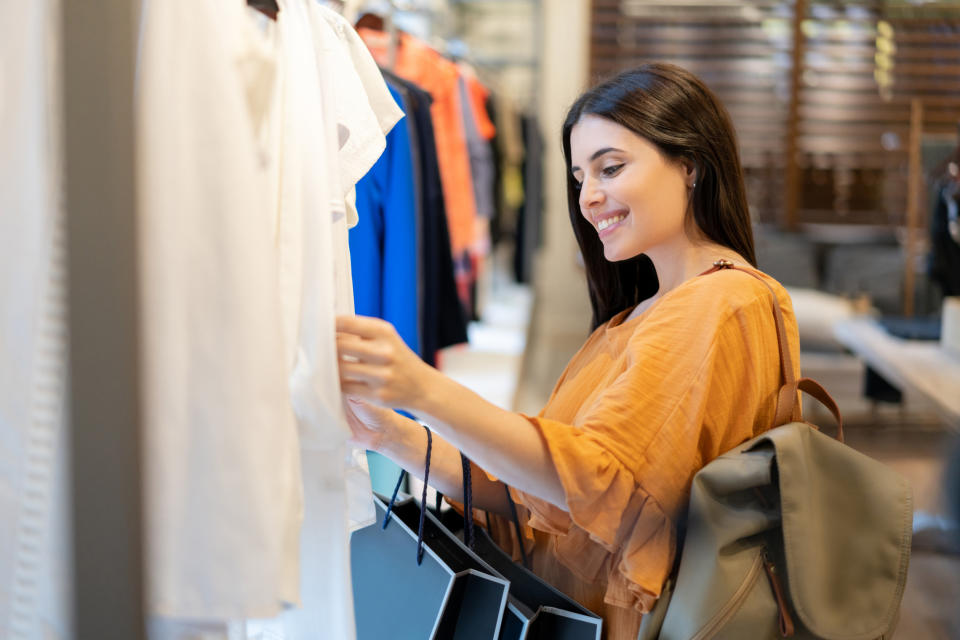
788,400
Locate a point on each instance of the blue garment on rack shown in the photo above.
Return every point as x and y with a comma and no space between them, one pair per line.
383,245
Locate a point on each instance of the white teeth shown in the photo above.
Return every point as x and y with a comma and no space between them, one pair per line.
606,222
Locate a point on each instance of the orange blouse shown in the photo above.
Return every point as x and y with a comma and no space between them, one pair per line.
638,411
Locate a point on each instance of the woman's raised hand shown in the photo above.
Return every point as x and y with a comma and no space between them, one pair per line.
371,426
376,365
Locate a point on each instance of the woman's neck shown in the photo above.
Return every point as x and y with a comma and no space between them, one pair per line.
676,268
677,264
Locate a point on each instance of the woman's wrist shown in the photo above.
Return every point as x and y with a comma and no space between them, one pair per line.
399,442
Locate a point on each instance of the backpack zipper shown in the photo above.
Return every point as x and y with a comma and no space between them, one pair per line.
734,603
786,620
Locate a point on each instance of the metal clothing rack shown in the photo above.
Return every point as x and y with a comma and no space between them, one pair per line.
105,414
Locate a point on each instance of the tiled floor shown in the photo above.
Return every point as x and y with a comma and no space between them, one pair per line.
932,599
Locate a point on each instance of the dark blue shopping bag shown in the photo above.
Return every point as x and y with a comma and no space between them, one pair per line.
448,594
535,610
414,580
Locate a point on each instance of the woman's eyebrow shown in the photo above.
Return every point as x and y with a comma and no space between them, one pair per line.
597,154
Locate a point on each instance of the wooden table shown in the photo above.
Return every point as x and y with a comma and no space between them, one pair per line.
918,366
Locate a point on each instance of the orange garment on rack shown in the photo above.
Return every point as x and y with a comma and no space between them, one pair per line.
418,63
638,411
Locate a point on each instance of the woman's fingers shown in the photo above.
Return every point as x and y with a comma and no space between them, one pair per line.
369,351
372,355
370,382
363,390
363,433
369,374
363,326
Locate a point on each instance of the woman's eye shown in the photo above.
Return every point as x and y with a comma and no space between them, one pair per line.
611,170
577,185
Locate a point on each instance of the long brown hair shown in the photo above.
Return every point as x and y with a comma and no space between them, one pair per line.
675,111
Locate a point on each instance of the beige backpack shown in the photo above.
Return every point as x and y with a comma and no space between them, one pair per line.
792,533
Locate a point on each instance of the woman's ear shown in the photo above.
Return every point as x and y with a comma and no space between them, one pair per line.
689,172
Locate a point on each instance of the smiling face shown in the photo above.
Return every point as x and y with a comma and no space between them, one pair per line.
634,196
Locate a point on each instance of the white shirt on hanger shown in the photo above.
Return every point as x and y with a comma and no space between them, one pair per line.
287,128
365,110
351,137
354,89
222,476
308,192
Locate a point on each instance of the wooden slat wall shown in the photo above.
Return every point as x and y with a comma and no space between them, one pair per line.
743,55
849,167
926,66
854,139
851,141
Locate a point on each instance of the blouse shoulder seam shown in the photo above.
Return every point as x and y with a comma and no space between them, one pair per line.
696,377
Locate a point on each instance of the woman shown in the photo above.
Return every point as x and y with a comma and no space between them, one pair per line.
680,367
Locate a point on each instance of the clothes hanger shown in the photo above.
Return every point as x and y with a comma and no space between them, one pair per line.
376,22
267,7
372,21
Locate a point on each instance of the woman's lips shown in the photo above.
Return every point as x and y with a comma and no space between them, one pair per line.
608,225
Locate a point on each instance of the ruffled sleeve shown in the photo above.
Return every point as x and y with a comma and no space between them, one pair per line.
614,529
683,392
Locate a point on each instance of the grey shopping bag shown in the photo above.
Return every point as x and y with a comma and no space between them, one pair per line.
448,594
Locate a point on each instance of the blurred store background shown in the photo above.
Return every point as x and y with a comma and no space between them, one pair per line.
848,117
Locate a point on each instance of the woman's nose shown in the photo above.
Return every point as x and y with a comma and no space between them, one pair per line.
590,195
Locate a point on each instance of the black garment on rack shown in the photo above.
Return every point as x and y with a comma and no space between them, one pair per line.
496,223
944,267
529,224
442,318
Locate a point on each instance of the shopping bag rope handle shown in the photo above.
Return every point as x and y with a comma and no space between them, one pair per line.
423,497
468,529
516,526
468,535
467,503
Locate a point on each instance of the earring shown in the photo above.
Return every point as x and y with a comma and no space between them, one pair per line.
694,185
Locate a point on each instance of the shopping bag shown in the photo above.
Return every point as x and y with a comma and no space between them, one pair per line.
535,610
447,594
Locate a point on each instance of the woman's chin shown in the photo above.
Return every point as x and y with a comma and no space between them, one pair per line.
613,253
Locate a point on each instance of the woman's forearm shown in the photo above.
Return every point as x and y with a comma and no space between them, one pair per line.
407,447
504,443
